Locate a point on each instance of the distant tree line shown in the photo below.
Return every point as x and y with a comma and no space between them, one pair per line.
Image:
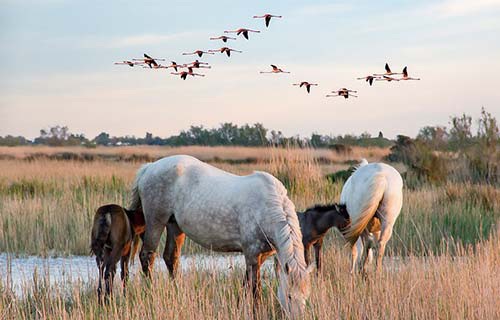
460,136
227,134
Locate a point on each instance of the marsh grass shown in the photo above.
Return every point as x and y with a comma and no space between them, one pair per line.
443,262
435,287
47,206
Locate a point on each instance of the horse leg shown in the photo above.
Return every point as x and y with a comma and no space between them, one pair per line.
364,255
385,235
100,265
109,273
172,252
317,252
307,256
355,249
151,239
124,261
375,241
252,278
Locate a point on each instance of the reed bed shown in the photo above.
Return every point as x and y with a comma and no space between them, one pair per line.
205,153
435,287
443,260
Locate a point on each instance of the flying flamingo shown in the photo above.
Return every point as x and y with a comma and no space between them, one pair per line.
242,31
387,78
388,71
343,92
198,52
267,17
275,70
149,61
306,84
127,62
369,79
405,75
175,65
184,74
199,64
226,50
223,38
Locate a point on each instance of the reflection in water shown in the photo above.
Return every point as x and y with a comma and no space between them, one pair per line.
16,272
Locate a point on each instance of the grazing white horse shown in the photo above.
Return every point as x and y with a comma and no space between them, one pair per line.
373,195
223,212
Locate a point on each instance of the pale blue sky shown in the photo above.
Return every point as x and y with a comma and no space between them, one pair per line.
56,63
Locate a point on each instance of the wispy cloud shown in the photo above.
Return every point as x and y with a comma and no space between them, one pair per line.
137,40
457,8
320,9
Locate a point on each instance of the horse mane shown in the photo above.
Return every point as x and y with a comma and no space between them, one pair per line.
362,163
289,237
135,203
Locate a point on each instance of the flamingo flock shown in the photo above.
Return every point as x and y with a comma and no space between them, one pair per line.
154,63
387,76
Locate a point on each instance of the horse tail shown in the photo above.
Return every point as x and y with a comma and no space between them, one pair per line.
369,203
100,231
135,202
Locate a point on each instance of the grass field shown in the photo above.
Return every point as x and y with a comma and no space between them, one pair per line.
445,244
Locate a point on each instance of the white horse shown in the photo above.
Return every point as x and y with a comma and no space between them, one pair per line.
373,195
223,212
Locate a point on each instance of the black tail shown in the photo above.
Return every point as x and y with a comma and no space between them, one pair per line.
100,233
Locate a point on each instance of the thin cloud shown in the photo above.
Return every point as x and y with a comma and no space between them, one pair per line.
320,9
138,40
459,8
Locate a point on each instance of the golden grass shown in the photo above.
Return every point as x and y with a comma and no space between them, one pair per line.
436,287
444,266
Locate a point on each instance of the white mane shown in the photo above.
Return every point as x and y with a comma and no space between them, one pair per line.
289,237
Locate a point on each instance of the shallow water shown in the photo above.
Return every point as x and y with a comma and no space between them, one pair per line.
19,272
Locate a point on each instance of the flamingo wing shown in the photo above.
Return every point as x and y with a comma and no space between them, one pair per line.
146,56
387,68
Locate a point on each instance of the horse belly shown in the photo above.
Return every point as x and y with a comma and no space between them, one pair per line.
215,231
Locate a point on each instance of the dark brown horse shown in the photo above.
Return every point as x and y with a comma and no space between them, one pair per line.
314,224
115,236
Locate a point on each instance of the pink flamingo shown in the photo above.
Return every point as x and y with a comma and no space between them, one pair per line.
151,62
267,17
226,50
242,31
127,62
405,75
343,92
198,64
275,70
198,52
306,84
387,78
223,38
184,74
388,71
369,79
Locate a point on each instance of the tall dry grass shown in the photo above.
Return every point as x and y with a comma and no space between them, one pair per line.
445,260
435,287
47,206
